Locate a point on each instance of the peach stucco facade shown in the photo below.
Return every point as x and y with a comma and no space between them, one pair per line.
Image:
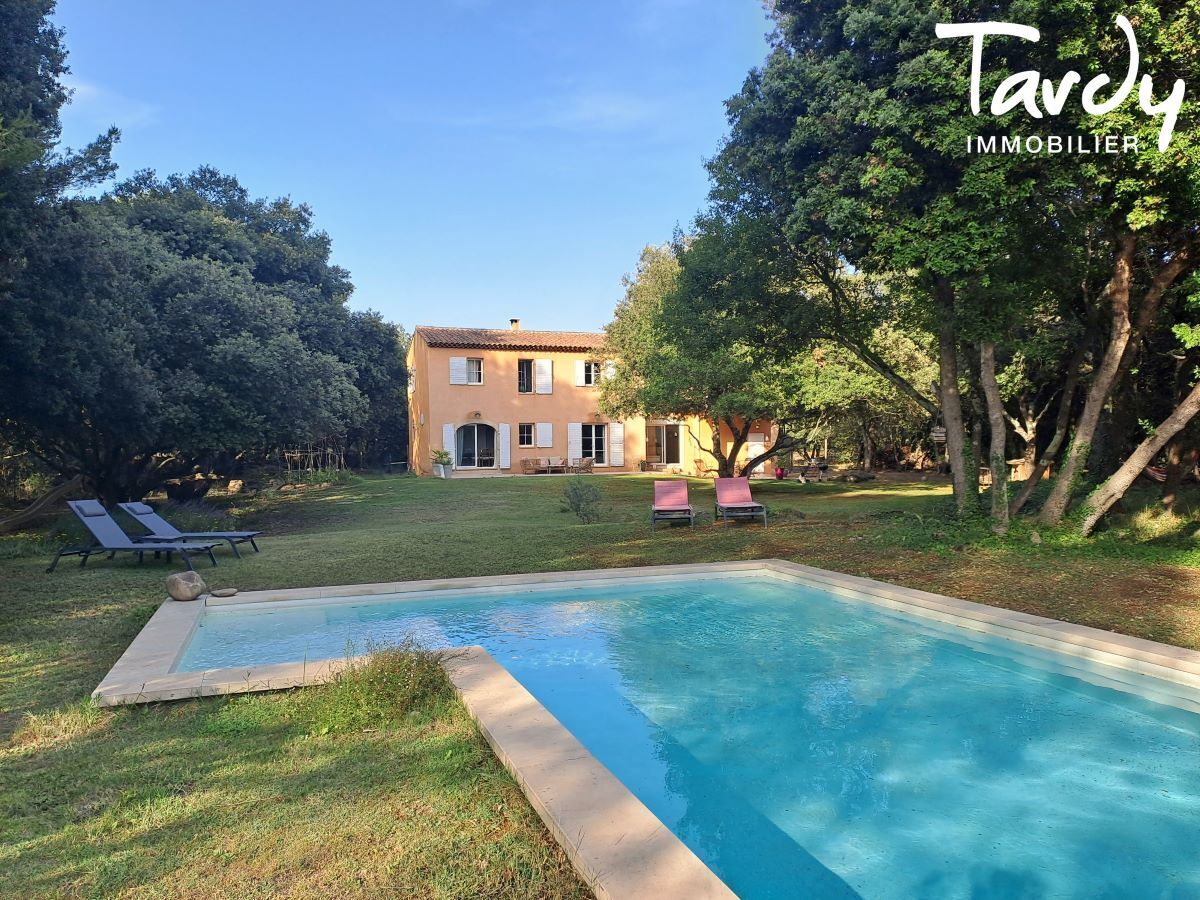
455,387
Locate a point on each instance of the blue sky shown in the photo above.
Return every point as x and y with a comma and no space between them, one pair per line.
472,160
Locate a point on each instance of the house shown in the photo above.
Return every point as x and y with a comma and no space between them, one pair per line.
493,397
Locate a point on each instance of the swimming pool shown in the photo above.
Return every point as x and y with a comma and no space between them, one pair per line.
805,744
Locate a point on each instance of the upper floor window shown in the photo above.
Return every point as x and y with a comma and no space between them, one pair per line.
474,371
592,373
524,376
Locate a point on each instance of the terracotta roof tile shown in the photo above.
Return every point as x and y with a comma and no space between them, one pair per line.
507,339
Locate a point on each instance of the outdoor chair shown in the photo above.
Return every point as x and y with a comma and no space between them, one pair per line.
162,530
556,464
584,466
671,504
529,465
734,501
107,537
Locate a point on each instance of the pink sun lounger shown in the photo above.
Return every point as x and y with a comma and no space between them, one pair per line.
734,501
671,503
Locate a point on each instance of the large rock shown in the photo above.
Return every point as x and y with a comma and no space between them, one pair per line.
185,586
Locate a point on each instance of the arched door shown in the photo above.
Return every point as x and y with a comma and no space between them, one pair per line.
475,447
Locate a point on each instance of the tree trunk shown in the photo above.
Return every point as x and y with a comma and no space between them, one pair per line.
40,506
1025,425
1061,425
1117,293
735,445
878,365
999,434
965,489
858,347
1029,454
1102,499
1170,488
1175,448
724,463
868,452
783,444
976,440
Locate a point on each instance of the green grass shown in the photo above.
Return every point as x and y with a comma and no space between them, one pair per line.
380,784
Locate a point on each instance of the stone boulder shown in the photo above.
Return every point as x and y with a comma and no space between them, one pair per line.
185,586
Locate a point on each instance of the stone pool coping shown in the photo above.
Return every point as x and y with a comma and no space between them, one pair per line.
614,841
619,847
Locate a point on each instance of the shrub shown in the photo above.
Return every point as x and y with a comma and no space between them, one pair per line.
379,691
583,497
319,476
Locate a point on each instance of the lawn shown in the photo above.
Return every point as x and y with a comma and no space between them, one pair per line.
270,795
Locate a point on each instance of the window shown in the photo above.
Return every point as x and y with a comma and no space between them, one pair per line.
475,447
593,443
524,378
525,434
474,371
592,373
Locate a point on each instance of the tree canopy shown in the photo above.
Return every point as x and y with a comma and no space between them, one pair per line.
851,201
170,323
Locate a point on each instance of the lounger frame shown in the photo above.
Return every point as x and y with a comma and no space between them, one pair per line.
726,513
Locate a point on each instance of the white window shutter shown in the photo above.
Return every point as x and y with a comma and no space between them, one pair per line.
458,370
579,382
616,443
543,378
505,444
448,439
574,440
610,369
545,434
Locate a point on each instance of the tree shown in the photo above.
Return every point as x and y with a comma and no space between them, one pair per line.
171,322
1102,499
855,405
847,140
127,363
377,351
32,172
210,215
853,136
679,351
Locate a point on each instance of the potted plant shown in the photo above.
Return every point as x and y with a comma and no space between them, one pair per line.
443,463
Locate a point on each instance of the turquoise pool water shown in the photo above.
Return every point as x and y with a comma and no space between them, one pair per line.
808,746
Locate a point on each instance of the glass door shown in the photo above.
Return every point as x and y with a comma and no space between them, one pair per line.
466,447
485,446
670,445
476,446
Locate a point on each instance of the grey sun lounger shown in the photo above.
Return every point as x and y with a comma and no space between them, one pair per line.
162,530
107,537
